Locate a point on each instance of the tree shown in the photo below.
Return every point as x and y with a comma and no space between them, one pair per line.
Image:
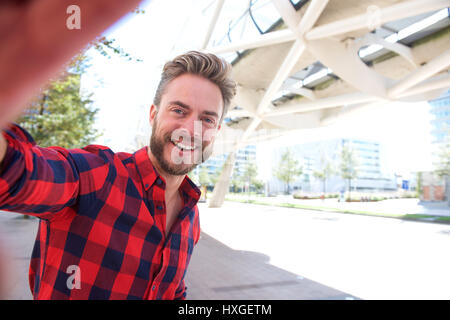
249,175
237,181
419,184
204,177
61,116
105,45
348,166
288,169
324,172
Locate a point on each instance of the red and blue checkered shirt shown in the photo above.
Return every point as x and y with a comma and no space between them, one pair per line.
102,219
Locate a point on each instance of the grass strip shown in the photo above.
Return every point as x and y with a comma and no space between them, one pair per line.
411,217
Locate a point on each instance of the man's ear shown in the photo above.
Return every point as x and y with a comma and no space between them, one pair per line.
153,113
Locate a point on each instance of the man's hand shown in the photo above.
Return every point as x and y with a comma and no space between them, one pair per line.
36,42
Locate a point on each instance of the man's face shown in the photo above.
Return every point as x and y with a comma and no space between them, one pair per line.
185,124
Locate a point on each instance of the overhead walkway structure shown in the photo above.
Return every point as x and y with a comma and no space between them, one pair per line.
324,60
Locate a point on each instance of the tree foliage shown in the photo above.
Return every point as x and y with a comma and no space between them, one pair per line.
288,169
247,176
61,115
250,174
348,165
204,177
324,171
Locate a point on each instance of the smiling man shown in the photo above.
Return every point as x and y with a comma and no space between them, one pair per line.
120,225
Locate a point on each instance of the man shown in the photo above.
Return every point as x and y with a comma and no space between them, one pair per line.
118,225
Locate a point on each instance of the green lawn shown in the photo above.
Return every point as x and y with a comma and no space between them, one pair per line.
417,217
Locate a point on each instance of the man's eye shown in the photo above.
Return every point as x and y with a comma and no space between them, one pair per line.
208,120
179,111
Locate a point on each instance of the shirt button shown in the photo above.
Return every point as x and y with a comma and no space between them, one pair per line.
153,288
159,207
146,185
158,181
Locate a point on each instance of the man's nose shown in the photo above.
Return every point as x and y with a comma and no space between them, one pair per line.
190,131
193,129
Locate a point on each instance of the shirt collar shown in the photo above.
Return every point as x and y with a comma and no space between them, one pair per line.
149,176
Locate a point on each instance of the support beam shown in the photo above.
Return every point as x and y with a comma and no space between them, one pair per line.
213,22
324,103
266,39
347,111
315,9
276,37
288,13
291,18
305,92
223,183
252,126
342,58
395,12
402,50
291,59
298,25
434,66
239,114
437,82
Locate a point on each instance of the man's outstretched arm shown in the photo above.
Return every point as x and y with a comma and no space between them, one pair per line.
2,148
36,42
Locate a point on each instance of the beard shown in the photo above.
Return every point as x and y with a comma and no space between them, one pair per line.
157,145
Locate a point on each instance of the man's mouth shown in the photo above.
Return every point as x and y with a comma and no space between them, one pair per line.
183,147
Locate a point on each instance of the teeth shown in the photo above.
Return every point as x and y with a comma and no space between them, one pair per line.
183,147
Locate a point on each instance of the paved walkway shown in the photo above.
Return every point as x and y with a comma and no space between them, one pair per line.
368,257
215,272
223,271
17,237
219,272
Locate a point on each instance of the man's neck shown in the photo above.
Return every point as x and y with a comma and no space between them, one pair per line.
173,182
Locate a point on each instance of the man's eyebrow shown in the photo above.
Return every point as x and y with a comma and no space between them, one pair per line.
185,106
181,104
211,113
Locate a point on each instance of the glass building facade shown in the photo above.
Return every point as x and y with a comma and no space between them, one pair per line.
370,176
440,110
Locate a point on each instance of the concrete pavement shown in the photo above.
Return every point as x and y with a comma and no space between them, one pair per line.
216,271
17,236
250,251
368,257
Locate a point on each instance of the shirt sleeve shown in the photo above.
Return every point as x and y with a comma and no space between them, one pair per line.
180,293
34,180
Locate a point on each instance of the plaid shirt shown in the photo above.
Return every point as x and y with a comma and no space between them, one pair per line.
102,221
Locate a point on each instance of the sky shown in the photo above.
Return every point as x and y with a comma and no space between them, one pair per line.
123,91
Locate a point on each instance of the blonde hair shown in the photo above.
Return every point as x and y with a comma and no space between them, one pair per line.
207,65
